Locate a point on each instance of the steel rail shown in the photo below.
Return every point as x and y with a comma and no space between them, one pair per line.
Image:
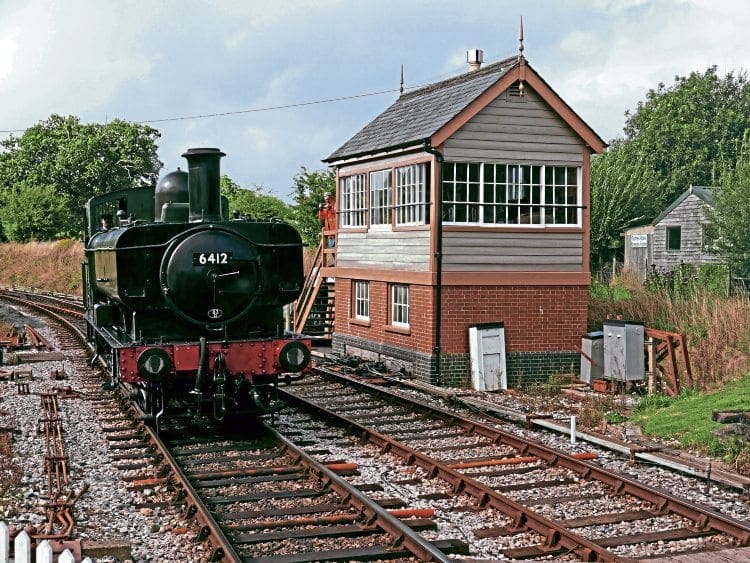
556,536
400,532
704,517
223,549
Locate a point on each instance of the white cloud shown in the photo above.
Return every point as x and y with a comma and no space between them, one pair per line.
605,69
8,50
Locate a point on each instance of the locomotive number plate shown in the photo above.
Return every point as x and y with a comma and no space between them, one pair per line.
203,258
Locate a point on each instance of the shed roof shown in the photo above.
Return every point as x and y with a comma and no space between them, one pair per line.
702,192
416,116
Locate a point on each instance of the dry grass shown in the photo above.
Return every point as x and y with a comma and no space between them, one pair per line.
51,266
717,328
10,473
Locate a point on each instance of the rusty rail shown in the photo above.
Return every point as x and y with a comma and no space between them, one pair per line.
704,518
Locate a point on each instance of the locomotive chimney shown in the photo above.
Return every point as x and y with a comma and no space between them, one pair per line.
203,184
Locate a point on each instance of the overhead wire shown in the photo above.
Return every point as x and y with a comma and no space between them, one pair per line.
245,111
255,110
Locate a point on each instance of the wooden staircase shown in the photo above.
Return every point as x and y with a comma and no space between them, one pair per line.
314,311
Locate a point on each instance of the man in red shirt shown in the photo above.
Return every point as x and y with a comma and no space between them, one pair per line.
327,214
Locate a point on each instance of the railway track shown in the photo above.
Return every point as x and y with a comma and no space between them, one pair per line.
280,493
260,498
534,486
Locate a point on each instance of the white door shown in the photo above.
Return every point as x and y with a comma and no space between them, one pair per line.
487,350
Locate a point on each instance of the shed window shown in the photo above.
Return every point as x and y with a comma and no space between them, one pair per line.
353,198
511,194
411,195
674,236
362,300
400,305
380,197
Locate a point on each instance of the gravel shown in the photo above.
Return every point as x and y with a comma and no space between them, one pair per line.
105,513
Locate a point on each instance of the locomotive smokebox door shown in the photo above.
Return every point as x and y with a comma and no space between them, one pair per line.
209,276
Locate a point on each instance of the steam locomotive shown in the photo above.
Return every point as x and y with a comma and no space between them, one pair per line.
184,304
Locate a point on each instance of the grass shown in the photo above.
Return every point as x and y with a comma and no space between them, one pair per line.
717,327
687,419
50,266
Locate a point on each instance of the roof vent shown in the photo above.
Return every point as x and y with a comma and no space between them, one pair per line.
475,58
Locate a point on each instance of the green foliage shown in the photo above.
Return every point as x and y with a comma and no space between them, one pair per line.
255,203
680,135
309,187
687,280
653,403
688,420
729,229
621,198
76,161
34,212
615,417
612,291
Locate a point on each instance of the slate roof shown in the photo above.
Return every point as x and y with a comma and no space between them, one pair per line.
419,114
702,192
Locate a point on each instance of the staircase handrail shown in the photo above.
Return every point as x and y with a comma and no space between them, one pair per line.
304,302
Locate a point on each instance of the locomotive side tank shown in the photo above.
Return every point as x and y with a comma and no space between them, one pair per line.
185,305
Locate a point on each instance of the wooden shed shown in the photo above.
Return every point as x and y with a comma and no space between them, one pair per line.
675,237
465,202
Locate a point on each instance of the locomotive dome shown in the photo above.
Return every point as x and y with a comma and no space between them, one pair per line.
172,188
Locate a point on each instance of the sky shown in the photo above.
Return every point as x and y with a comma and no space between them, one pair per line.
280,85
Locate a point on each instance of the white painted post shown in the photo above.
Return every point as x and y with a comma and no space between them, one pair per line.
44,552
573,429
66,557
4,543
87,560
22,548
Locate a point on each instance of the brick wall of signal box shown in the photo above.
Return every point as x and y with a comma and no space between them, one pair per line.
536,318
420,316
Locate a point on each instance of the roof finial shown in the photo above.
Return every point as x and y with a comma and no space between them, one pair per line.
520,40
401,89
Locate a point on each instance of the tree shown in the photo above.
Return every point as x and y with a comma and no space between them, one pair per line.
78,161
729,229
32,212
620,197
309,187
679,136
256,203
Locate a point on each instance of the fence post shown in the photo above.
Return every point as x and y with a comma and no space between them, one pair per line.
4,543
67,557
44,552
22,548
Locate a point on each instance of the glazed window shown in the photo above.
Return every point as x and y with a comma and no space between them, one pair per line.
400,305
511,194
353,201
674,238
411,195
380,197
362,300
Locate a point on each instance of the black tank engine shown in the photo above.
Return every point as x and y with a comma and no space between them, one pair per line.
184,304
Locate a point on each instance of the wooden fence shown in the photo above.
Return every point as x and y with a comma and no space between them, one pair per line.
22,552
